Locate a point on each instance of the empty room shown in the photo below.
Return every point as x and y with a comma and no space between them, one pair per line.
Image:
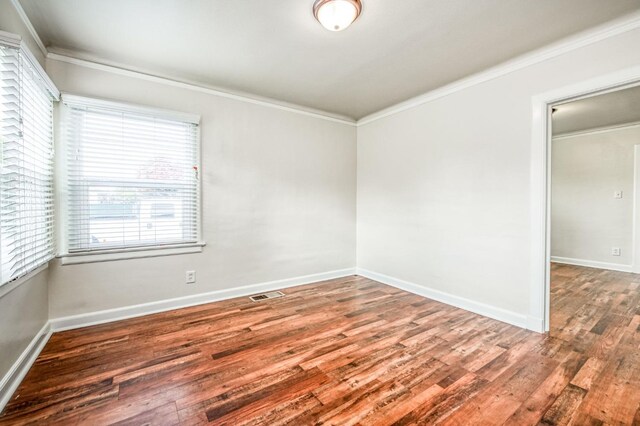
307,212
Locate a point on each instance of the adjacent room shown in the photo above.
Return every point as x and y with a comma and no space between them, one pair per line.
305,212
595,179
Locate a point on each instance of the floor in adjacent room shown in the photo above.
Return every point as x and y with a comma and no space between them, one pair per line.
349,351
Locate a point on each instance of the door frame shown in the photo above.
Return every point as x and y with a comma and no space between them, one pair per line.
540,179
635,256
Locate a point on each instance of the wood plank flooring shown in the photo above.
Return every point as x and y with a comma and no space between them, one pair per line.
348,352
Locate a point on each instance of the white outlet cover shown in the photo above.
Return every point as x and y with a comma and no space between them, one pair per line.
615,251
617,194
191,277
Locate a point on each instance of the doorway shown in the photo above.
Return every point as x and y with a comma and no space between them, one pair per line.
540,193
593,155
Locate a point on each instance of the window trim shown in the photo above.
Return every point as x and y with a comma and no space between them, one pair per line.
61,178
109,255
68,98
16,41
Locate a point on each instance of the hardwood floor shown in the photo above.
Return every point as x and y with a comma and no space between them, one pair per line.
349,351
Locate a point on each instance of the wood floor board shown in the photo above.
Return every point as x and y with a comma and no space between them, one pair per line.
349,351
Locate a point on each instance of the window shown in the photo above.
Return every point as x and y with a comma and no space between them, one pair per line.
131,177
26,164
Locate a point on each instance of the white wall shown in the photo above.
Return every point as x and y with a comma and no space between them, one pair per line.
444,187
24,310
10,22
586,220
278,193
23,313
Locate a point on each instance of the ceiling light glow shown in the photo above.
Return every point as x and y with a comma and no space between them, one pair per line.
336,15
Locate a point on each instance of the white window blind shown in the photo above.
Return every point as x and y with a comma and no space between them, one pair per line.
132,177
26,166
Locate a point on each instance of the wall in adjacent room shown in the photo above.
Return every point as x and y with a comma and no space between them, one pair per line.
278,199
444,186
586,220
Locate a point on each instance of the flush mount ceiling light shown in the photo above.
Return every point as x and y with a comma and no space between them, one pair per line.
336,15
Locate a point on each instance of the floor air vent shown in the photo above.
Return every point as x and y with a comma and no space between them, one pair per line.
265,296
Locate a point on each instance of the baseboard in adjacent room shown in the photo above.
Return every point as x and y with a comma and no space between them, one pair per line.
592,264
109,315
20,368
510,317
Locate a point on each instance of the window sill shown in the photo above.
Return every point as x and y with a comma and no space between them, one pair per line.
131,253
7,288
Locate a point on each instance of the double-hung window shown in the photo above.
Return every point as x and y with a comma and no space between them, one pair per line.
26,163
131,177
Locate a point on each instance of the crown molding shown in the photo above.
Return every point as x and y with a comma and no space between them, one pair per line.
602,32
596,130
189,85
25,20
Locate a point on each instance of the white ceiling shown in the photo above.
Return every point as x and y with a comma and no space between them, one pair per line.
609,109
274,48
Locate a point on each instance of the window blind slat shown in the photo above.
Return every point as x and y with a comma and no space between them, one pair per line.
132,179
26,167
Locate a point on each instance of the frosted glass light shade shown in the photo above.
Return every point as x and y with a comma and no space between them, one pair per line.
336,15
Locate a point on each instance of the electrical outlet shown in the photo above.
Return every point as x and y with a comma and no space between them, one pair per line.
615,251
191,277
617,194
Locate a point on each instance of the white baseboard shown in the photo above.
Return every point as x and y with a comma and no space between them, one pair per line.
510,317
109,315
20,368
592,264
